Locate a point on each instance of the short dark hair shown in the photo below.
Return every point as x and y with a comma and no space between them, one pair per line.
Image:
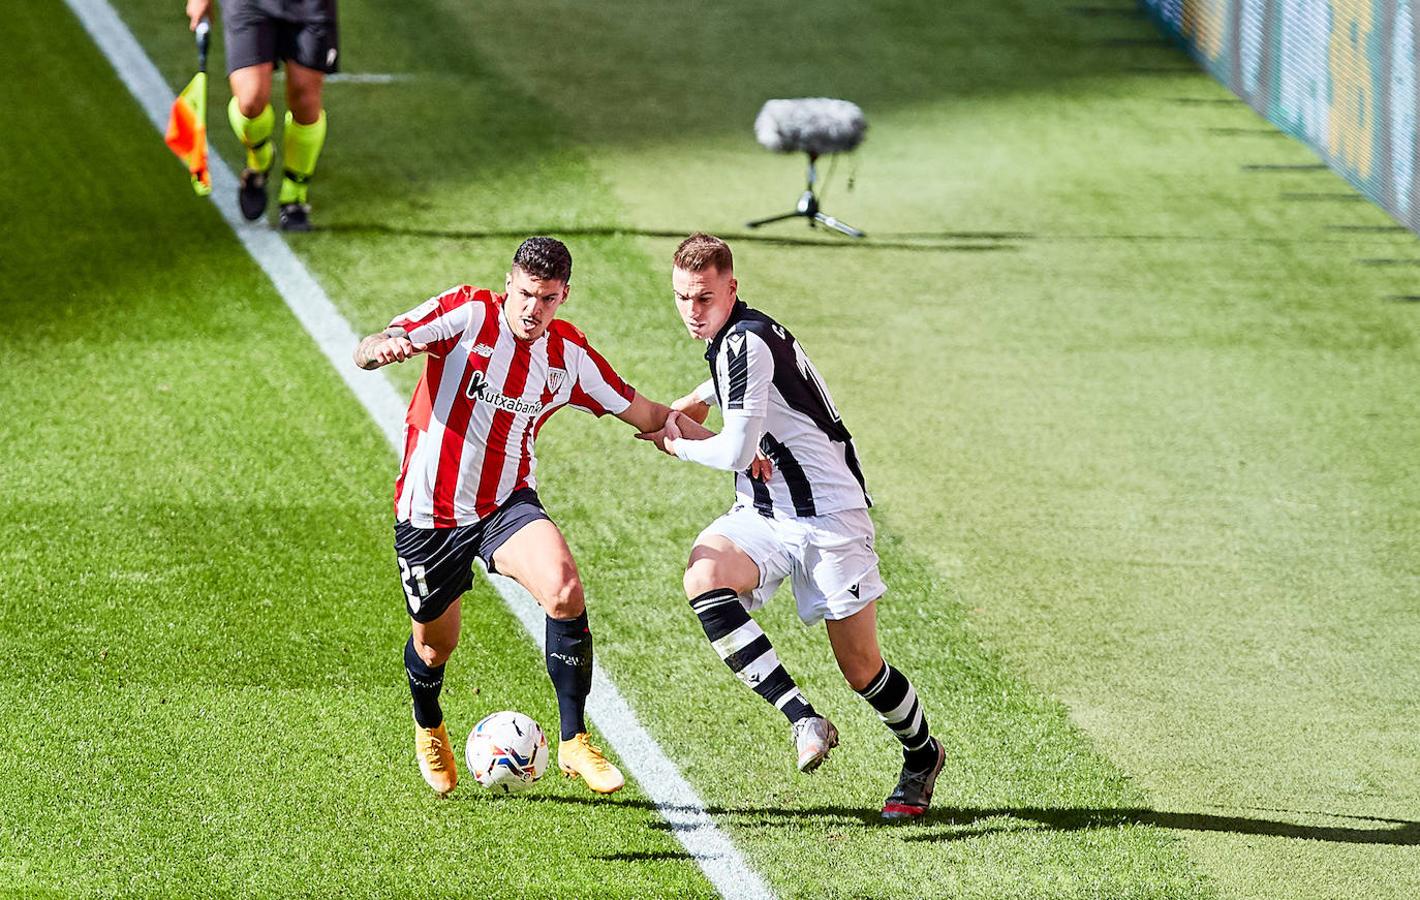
703,251
544,258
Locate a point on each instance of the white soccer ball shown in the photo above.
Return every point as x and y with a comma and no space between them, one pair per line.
506,752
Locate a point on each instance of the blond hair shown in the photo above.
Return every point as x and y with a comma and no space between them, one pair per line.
702,251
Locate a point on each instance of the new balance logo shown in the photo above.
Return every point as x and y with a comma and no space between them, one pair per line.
483,349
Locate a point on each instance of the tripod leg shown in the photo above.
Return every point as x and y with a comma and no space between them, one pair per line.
836,225
758,222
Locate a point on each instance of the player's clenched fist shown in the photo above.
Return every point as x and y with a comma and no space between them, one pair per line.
382,349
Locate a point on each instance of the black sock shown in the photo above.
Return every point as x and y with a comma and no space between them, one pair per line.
425,682
569,665
745,648
892,695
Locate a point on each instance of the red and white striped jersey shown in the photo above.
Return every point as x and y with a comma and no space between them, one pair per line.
483,398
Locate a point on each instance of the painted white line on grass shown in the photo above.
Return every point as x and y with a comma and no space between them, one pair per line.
676,800
358,77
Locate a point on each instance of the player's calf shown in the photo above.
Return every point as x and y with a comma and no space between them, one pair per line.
749,654
895,700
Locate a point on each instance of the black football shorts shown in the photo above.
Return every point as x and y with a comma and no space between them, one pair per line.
436,564
268,31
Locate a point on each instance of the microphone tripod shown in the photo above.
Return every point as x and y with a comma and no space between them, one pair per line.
808,208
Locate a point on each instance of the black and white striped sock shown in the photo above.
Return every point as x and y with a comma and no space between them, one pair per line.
892,695
745,648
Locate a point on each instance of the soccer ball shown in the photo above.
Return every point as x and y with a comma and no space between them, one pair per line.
506,752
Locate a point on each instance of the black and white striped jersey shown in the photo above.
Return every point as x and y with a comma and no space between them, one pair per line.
758,368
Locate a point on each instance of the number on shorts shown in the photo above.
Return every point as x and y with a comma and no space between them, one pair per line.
415,588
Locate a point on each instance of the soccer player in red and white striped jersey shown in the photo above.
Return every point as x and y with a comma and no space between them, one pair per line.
498,365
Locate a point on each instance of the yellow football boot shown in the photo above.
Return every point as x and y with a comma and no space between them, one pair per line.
580,756
436,758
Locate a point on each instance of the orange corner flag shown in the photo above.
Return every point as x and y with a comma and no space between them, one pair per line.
187,132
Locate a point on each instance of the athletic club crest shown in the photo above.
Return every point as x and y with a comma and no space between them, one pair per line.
555,377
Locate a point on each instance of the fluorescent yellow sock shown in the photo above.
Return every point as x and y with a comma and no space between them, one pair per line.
300,148
255,134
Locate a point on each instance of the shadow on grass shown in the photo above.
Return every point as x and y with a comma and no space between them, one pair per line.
647,856
1404,832
974,822
945,242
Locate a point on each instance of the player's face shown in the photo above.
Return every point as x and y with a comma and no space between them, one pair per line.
532,303
704,300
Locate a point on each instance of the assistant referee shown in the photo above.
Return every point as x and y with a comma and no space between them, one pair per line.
259,36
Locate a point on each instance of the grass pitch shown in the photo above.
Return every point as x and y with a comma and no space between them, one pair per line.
1135,415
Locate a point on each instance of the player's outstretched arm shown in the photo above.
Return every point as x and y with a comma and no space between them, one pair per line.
644,414
729,447
693,408
649,417
390,346
696,405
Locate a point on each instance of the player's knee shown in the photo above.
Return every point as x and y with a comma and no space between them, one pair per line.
700,576
566,601
252,102
436,653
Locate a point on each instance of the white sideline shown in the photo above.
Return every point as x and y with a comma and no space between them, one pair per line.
357,77
675,799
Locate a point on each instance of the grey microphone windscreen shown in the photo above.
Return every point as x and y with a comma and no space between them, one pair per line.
816,125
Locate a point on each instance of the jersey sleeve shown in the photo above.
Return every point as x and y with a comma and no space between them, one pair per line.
439,321
599,390
732,450
745,371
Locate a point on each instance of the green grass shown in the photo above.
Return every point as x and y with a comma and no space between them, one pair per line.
1137,426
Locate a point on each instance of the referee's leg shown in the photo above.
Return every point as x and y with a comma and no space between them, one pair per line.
302,141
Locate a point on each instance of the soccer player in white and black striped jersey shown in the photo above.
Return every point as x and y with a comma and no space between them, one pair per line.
808,522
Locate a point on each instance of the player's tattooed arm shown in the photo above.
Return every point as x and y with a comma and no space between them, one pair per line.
389,346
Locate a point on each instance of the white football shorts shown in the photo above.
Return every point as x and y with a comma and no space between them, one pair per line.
831,559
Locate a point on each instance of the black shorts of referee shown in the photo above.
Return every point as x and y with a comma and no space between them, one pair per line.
269,31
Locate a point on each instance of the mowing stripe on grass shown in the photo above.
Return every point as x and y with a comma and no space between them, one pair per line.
675,799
